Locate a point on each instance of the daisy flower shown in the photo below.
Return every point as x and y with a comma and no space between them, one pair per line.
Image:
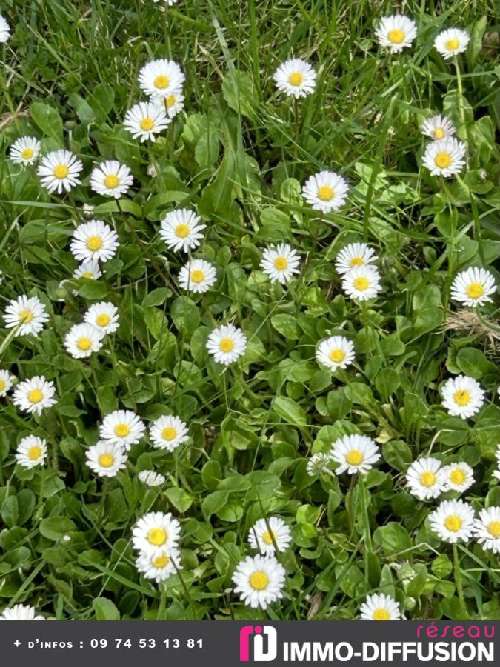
59,171
425,478
94,241
362,283
170,3
4,30
103,316
83,339
181,229
396,32
173,102
155,533
106,458
34,395
496,473
280,262
318,464
111,179
444,158
151,478
89,270
122,427
226,344
197,276
453,521
20,612
161,78
380,607
146,119
458,477
438,128
31,452
462,396
451,42
296,78
354,453
335,352
168,432
267,535
25,150
473,286
6,382
352,256
26,313
259,581
487,529
158,566
326,191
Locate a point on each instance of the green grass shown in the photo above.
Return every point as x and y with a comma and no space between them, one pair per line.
240,154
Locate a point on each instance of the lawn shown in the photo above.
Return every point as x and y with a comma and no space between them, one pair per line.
257,483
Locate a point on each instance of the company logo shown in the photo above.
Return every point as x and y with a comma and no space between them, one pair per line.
258,642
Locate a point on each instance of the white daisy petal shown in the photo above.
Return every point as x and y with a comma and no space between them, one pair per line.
453,521
487,529
122,427
94,241
296,78
20,612
27,314
168,432
335,352
59,170
4,36
354,255
161,78
6,382
155,533
159,566
103,316
380,607
473,287
226,344
173,103
438,128
318,464
25,150
270,534
425,478
259,581
151,478
106,458
145,120
197,276
34,395
182,230
31,452
280,262
354,453
462,396
89,270
111,179
451,42
362,283
396,32
82,340
458,477
444,158
325,191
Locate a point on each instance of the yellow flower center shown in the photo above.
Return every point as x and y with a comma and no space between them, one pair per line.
157,536
161,561
295,78
226,345
361,283
94,243
326,193
452,44
147,123
182,230
88,274
122,430
27,153
457,476
453,523
494,529
396,36
462,397
443,160
34,453
337,355
169,433
381,614
26,315
280,263
438,133
106,460
474,290
111,181
258,580
102,320
161,81
170,101
35,395
61,171
428,479
355,457
3,384
357,261
268,537
197,276
84,343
